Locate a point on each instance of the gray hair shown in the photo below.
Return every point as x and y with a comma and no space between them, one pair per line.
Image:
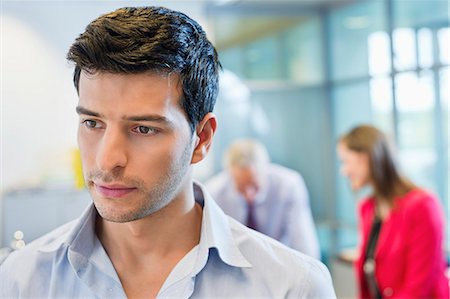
245,153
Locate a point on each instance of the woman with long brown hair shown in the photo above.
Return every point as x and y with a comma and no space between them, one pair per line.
401,224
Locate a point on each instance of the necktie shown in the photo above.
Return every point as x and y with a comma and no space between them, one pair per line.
251,221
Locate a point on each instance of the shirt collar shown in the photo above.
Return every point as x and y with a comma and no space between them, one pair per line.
82,227
215,233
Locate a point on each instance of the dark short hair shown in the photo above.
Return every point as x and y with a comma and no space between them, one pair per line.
385,175
134,40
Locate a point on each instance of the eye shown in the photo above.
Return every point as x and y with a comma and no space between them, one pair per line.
144,130
92,124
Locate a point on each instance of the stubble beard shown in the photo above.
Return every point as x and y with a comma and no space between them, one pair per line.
150,199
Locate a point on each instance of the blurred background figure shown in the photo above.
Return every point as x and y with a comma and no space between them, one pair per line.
269,198
401,254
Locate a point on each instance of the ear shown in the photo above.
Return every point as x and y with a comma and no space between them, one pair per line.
205,132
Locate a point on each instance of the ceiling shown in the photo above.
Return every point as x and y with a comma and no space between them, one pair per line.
236,21
273,6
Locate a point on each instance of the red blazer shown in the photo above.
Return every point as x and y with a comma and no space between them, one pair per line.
410,258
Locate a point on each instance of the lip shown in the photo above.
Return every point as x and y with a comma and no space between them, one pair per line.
113,191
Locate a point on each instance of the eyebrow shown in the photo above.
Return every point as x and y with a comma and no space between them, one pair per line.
149,117
82,110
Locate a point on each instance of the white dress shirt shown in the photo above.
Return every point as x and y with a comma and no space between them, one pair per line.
231,261
282,209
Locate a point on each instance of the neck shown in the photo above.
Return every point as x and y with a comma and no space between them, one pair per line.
383,207
171,231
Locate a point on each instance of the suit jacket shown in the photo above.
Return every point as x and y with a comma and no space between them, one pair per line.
410,259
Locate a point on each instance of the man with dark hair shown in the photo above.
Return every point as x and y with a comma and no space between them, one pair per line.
147,82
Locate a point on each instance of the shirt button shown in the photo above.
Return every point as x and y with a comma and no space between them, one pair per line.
388,292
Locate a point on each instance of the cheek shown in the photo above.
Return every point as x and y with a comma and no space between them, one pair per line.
359,172
157,159
87,149
348,169
365,174
83,145
344,170
153,158
363,168
353,172
82,141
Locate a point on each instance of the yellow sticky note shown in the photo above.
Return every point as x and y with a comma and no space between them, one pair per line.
77,169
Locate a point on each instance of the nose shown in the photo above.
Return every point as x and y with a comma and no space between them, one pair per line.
112,151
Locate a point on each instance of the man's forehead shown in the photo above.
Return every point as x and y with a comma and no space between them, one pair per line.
144,96
247,171
170,76
129,86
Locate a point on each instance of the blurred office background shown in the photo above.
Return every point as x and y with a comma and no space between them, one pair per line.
297,75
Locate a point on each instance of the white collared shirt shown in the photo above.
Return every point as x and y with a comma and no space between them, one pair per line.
231,261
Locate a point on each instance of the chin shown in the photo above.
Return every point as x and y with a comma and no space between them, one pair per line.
119,215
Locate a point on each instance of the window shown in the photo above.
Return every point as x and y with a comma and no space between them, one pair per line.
408,89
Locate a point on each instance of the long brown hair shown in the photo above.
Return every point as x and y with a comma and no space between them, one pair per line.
385,176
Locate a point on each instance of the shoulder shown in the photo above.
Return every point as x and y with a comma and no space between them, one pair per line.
29,270
419,202
284,173
284,178
417,199
304,275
